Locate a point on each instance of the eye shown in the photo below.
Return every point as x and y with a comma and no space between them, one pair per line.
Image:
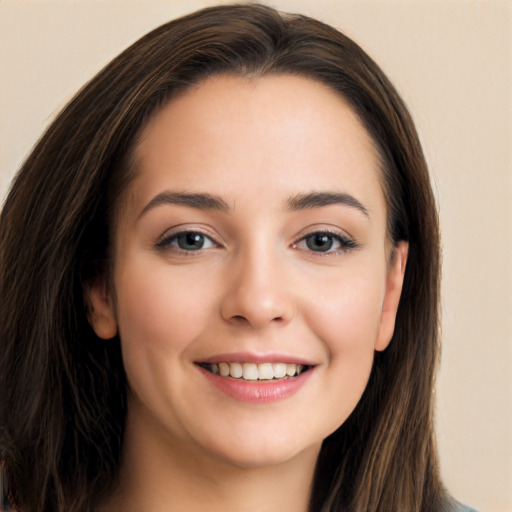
325,242
188,241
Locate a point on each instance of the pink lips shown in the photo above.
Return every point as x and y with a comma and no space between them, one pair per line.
250,357
261,391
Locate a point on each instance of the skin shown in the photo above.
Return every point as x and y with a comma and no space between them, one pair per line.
259,285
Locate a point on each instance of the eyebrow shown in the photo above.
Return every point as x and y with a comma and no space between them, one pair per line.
202,201
319,199
198,201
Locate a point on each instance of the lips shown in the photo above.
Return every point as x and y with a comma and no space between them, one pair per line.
256,379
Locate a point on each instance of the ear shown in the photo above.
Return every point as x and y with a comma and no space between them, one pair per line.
394,283
100,310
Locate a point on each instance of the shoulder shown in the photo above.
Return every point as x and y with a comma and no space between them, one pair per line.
459,507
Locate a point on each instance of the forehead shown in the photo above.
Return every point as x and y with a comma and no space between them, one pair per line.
287,131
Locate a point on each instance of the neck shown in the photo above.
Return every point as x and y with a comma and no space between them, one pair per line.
172,476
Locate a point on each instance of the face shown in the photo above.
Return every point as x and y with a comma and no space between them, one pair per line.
253,280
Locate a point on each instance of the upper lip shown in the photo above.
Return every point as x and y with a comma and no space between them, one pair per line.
252,357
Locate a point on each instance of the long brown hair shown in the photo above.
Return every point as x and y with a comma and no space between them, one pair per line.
64,389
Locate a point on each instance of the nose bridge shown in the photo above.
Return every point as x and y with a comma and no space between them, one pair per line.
258,294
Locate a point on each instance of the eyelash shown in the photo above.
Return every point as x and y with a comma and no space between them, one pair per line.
344,242
168,241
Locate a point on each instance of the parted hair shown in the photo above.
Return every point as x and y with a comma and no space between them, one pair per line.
63,404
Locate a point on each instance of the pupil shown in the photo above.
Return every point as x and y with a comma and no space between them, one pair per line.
191,241
320,243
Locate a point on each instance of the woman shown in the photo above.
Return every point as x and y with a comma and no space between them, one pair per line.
236,297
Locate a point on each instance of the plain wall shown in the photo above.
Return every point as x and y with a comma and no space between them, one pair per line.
452,61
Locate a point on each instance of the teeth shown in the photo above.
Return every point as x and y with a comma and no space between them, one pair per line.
253,371
250,371
291,369
235,370
223,369
265,371
279,370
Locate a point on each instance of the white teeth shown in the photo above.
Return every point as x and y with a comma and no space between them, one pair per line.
252,371
292,368
235,370
224,369
279,370
265,371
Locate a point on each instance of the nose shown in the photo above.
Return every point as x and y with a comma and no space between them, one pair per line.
258,292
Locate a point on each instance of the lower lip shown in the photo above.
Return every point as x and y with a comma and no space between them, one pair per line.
257,392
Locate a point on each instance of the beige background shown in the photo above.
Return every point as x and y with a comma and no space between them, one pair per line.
452,62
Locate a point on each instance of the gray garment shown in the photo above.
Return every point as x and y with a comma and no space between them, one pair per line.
464,508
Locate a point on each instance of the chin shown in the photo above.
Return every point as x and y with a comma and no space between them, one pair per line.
253,457
262,447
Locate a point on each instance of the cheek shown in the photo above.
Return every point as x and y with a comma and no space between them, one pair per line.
160,314
346,315
161,308
346,318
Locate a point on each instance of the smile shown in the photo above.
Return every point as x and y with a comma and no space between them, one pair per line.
255,371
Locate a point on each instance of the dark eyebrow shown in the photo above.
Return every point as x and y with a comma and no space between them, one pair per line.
196,200
319,199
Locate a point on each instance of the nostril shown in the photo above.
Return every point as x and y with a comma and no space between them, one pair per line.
241,319
258,308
